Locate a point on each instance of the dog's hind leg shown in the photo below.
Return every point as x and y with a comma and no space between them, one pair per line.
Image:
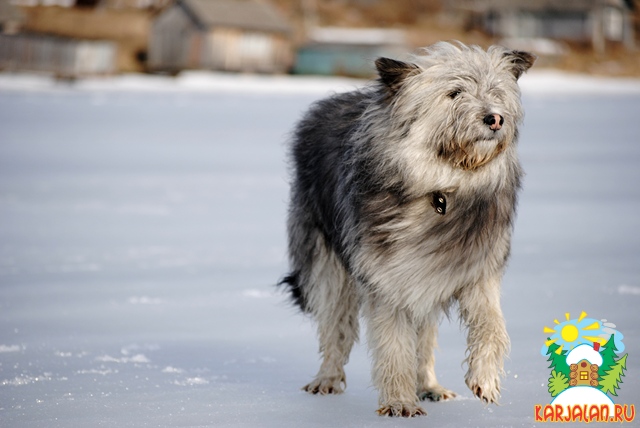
333,301
428,386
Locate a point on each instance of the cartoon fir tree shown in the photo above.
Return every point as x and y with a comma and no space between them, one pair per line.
609,356
558,382
558,360
612,378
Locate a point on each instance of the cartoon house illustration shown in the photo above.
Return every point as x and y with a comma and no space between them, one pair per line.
584,361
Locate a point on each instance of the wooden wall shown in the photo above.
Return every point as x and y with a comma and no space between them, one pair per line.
65,57
129,29
177,43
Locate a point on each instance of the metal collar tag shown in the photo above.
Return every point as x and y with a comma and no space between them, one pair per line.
439,203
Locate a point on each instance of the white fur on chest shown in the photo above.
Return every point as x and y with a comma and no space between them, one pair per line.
418,272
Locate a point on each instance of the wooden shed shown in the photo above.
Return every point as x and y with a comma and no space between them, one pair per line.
11,18
595,21
348,51
63,56
227,35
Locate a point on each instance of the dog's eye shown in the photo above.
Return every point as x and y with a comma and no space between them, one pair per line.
454,93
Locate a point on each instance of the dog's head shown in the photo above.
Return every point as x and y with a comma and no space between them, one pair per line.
458,103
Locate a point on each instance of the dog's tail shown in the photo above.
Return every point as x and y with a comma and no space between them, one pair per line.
292,282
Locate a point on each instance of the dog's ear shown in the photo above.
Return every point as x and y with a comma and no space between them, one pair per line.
519,61
393,73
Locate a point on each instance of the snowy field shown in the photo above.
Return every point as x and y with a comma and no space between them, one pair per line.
142,230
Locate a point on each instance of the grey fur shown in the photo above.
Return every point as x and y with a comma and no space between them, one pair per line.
402,204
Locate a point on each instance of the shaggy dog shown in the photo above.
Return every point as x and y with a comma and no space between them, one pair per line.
402,205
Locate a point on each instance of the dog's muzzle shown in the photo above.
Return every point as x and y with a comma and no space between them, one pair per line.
494,121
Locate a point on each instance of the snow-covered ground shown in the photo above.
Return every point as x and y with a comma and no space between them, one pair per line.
142,232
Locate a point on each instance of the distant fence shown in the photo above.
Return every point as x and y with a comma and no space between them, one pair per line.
65,57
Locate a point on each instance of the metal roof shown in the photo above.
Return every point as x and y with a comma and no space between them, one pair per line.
536,5
246,14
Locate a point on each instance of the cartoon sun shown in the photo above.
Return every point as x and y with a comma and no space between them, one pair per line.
571,333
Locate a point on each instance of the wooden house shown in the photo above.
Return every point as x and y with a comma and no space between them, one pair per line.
592,21
348,51
583,373
11,18
67,38
63,56
227,35
584,361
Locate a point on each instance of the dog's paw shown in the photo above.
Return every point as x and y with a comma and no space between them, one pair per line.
489,392
435,393
324,386
485,384
405,410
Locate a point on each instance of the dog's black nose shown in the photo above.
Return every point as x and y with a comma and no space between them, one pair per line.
494,121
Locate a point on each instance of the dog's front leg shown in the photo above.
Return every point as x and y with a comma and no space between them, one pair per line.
428,386
487,339
392,339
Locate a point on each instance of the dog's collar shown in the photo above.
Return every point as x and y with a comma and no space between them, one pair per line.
439,203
